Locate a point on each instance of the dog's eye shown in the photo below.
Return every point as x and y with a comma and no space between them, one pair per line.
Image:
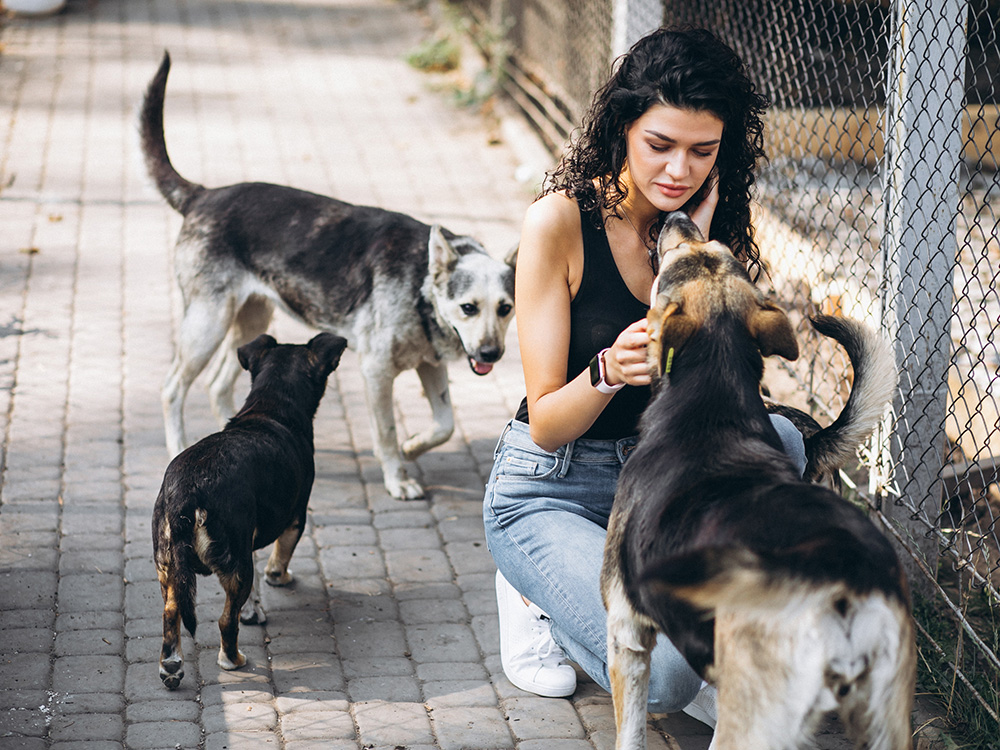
469,309
504,310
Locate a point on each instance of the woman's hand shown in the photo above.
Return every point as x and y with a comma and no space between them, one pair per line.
625,361
703,213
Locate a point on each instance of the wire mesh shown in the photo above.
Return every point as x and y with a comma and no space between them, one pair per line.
560,52
829,220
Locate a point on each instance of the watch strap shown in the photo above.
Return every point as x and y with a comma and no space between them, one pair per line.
598,375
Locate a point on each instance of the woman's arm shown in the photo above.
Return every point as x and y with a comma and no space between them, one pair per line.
549,267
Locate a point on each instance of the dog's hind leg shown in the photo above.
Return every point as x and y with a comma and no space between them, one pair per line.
237,586
202,329
770,676
378,379
630,642
252,612
277,573
250,321
434,379
171,657
876,709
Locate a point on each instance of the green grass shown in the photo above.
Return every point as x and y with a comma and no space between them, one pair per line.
969,724
439,54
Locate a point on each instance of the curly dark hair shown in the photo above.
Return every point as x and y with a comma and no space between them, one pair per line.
686,68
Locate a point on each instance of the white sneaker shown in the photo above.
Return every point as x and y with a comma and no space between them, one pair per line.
703,707
530,658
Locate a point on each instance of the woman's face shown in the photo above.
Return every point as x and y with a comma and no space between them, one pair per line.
671,152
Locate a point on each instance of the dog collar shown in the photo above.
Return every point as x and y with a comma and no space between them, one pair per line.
670,361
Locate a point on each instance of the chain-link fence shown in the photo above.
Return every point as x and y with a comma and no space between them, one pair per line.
879,201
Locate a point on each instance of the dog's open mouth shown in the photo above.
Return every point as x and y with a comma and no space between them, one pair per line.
480,368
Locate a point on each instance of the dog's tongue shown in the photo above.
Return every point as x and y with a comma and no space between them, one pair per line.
480,368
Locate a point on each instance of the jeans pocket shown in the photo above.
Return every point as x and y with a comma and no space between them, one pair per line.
519,480
519,464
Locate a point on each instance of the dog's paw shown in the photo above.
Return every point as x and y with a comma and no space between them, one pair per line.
405,489
419,444
252,613
278,577
412,448
416,446
172,681
224,662
171,672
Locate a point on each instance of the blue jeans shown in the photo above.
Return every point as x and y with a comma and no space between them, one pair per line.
546,516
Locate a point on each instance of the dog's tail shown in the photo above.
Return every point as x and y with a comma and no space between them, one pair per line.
180,532
177,191
875,381
187,586
174,556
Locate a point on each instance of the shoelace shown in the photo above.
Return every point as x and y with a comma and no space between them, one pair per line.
544,645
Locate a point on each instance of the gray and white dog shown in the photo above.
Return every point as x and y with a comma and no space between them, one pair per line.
405,295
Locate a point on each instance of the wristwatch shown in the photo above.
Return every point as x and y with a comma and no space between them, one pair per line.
597,373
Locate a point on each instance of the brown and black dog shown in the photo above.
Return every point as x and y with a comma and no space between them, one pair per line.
239,490
775,589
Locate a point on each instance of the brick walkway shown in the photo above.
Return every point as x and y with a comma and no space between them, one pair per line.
389,638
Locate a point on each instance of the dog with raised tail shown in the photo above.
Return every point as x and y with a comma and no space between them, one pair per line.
239,490
405,295
776,590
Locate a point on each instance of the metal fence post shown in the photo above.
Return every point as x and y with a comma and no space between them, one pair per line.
631,20
926,88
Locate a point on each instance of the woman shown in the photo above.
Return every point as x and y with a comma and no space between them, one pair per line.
677,127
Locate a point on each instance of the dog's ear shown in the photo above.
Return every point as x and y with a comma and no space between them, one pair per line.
441,255
669,328
774,333
677,229
250,354
327,347
511,259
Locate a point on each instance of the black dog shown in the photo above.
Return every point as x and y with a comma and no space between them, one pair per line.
239,490
776,589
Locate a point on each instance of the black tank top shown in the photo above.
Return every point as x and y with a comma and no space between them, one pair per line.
602,308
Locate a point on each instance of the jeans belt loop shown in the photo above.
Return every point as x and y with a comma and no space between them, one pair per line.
506,429
625,447
567,457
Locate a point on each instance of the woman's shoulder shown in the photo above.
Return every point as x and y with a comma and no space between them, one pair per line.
551,238
552,214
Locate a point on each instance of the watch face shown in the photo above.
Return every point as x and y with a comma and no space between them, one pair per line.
595,370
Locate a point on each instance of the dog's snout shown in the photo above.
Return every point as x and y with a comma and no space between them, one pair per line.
680,220
489,354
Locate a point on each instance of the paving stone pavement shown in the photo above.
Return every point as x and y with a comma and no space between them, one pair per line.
388,639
